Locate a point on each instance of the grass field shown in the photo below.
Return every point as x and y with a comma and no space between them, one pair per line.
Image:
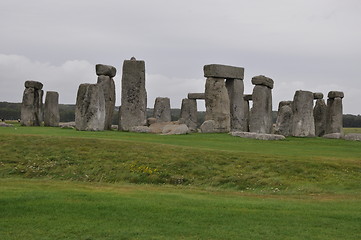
63,184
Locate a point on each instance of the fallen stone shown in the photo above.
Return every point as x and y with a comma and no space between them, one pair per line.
3,124
196,96
140,129
162,109
151,121
259,136
70,125
335,94
175,129
223,71
317,95
333,136
263,80
33,84
208,126
353,137
106,70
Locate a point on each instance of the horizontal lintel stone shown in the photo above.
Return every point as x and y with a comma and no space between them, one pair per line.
106,70
317,95
223,71
335,94
263,80
33,84
196,96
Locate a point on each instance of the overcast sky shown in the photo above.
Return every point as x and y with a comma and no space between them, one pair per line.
310,45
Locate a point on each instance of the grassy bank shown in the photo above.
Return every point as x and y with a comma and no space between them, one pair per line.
43,209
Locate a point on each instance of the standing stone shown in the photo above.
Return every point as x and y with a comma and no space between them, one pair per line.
162,109
284,119
261,113
303,124
134,96
108,86
51,109
334,122
246,111
90,108
217,104
235,90
188,113
319,114
32,104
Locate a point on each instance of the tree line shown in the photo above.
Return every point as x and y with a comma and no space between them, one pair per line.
11,111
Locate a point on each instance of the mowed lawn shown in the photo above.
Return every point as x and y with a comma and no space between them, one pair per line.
63,184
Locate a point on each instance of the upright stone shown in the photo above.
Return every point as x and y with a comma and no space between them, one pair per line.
334,122
217,104
303,124
188,113
134,96
108,86
319,114
32,104
261,112
235,89
162,109
246,111
284,119
90,108
51,109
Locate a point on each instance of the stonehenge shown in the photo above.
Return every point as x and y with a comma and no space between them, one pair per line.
133,111
303,124
51,109
334,112
162,109
228,109
261,112
32,104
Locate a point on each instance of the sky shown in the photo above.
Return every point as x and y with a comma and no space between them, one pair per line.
312,45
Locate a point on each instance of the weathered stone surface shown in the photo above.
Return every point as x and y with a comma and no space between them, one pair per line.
319,114
335,94
134,96
259,136
317,95
175,129
151,120
188,114
247,97
303,124
235,89
334,118
217,104
3,124
223,71
353,137
261,112
263,80
105,70
32,107
33,84
333,135
90,108
283,124
208,126
108,86
196,96
246,114
70,125
140,129
51,109
162,109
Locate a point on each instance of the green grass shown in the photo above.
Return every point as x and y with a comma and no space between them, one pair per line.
64,184
39,209
352,130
